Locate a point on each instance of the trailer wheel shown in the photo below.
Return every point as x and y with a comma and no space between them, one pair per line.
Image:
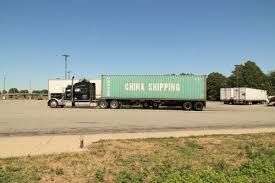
114,104
198,106
155,105
103,104
145,105
53,103
187,106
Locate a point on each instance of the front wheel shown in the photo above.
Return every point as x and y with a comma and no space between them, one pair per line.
53,104
103,104
198,106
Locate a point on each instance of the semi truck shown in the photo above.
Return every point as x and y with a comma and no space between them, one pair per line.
114,91
271,101
243,95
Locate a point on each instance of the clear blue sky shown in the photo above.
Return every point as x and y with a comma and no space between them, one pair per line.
132,37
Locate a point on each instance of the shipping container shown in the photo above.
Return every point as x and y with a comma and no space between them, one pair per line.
243,95
155,87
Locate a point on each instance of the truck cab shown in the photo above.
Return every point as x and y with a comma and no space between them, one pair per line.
61,92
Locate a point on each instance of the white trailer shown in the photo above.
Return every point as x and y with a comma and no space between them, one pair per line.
243,96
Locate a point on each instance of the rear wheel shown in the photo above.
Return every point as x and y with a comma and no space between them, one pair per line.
187,106
198,106
114,104
155,105
103,104
53,104
145,105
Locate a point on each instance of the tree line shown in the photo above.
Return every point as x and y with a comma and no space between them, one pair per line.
248,75
15,90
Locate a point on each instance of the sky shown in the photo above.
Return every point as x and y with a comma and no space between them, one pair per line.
131,37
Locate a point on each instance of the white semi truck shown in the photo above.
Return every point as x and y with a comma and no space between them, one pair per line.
243,96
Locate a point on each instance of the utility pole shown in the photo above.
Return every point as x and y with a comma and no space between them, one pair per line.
69,74
30,86
237,76
66,57
5,83
30,89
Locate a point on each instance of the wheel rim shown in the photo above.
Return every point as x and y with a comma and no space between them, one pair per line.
187,106
145,105
198,106
114,104
155,105
103,104
53,104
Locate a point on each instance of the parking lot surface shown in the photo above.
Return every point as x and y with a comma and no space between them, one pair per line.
28,118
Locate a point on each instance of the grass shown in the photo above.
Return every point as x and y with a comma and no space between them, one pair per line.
219,158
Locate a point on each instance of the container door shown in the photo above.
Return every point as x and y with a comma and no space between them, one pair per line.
242,95
237,93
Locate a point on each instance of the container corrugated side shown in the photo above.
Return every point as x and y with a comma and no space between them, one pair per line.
169,87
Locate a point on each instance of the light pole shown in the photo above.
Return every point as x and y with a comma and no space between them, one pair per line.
66,57
4,83
69,74
30,86
237,74
30,89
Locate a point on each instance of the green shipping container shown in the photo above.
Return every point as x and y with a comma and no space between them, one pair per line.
154,87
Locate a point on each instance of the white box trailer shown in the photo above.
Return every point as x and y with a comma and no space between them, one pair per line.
226,94
243,95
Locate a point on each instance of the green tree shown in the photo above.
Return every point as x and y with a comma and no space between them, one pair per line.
24,91
36,91
271,79
215,81
249,75
13,90
44,91
186,74
4,91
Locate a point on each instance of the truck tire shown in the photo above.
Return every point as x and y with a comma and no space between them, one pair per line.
53,103
103,104
155,105
145,105
198,106
114,104
187,106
